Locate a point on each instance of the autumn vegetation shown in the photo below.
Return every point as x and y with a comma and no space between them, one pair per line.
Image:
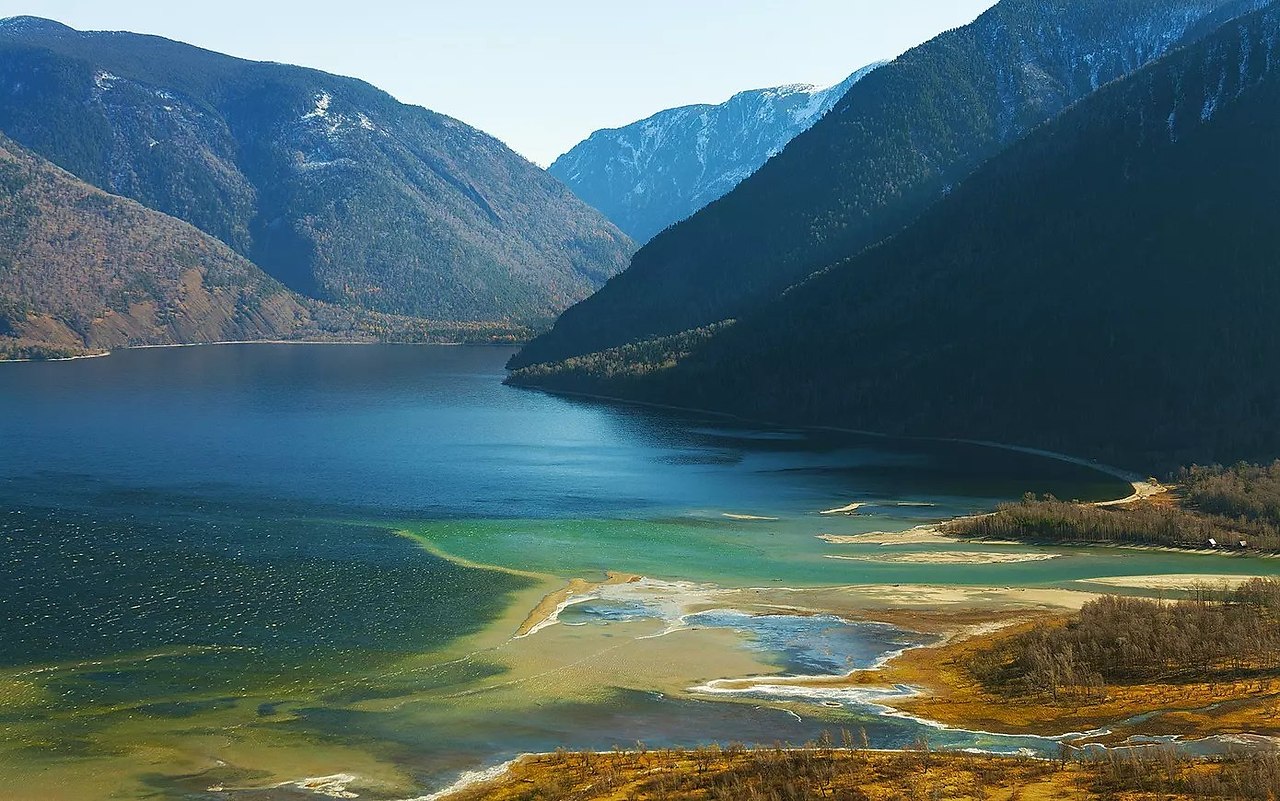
1216,506
823,772
1214,636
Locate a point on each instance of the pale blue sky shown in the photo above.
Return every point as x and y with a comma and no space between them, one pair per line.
542,75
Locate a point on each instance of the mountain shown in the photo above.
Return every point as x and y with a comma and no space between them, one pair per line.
81,270
1107,286
329,184
896,143
653,173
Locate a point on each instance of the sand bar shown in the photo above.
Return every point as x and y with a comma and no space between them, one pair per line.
949,558
920,535
1173,581
550,607
845,510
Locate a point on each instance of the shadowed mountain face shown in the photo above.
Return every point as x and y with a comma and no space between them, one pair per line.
897,142
1108,285
329,184
653,173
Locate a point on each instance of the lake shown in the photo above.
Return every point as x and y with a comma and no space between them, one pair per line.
234,567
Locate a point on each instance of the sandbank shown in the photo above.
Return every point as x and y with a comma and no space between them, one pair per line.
949,558
1173,581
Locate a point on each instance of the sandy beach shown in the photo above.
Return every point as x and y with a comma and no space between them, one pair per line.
920,535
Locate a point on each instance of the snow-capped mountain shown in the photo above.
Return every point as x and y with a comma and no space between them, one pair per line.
653,173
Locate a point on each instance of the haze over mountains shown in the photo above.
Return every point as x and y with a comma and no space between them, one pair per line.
1108,285
655,172
895,144
328,184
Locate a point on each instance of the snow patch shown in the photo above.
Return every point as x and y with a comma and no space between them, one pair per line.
1211,102
321,109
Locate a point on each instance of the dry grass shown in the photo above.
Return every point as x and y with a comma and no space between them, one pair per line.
953,695
849,774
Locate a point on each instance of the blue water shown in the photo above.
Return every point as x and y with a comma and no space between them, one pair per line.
431,432
816,645
229,539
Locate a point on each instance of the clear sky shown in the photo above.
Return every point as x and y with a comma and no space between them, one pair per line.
541,74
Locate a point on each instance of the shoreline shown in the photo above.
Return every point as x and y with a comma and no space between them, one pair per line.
1128,476
122,348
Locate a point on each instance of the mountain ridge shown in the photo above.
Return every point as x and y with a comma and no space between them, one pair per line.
895,144
652,173
330,184
1106,286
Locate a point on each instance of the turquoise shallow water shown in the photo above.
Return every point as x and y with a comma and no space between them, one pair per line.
211,540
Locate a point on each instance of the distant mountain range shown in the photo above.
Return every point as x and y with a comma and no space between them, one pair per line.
331,186
651,174
1108,285
897,142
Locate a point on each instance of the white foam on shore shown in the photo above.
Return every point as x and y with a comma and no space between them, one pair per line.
334,786
668,601
770,688
468,780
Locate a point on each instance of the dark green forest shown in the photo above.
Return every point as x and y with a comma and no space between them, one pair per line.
1107,286
899,141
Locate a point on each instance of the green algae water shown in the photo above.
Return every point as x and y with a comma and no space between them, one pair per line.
229,569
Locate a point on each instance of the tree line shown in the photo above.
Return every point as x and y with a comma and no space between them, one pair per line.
1234,507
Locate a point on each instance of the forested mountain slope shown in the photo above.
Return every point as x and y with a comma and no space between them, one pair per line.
83,270
898,141
1107,286
327,183
655,172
